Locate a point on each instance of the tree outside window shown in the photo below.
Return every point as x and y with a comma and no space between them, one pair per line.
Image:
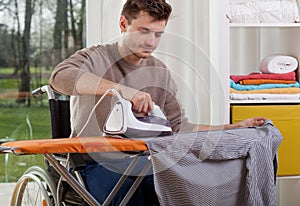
35,35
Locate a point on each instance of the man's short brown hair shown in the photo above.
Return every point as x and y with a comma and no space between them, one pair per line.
158,9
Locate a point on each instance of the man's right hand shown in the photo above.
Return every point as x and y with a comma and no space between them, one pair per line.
142,102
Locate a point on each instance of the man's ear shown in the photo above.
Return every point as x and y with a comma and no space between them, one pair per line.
123,23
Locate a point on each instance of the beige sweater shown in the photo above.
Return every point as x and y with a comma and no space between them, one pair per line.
150,76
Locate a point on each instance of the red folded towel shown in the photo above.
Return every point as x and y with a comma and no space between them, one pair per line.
255,75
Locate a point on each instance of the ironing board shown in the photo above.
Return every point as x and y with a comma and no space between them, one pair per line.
73,145
48,147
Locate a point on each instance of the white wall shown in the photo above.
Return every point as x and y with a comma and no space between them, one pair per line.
103,21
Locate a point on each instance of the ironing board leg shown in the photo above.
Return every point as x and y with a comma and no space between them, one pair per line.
72,181
121,180
136,183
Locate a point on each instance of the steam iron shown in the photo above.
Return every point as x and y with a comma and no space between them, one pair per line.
121,121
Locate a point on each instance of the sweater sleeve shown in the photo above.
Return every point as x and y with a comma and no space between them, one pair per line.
174,110
66,74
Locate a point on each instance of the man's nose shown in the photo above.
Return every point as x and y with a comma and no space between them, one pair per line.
150,39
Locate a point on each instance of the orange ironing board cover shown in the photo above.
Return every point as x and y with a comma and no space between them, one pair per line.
75,145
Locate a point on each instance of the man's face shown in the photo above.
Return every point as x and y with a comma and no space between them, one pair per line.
142,36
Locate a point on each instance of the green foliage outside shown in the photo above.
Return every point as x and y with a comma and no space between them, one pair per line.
35,36
20,122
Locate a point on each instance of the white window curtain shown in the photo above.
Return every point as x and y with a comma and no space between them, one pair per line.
185,47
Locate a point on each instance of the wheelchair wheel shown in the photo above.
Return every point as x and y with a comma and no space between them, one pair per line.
35,187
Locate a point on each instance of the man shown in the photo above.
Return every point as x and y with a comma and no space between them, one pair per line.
129,67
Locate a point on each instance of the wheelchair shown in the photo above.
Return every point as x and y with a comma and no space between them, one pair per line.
61,183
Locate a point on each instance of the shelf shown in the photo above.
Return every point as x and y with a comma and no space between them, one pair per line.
288,177
264,25
275,101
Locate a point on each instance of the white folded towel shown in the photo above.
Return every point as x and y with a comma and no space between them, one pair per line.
278,64
263,11
235,96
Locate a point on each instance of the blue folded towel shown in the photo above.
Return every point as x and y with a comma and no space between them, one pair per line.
260,86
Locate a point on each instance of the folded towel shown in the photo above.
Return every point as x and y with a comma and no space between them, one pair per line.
287,76
235,96
266,81
263,11
278,64
260,86
291,90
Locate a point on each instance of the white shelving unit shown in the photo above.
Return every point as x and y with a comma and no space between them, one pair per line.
250,43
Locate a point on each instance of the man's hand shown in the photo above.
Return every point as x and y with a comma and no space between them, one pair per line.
142,102
251,122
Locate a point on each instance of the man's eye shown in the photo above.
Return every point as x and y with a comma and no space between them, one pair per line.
158,34
144,31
